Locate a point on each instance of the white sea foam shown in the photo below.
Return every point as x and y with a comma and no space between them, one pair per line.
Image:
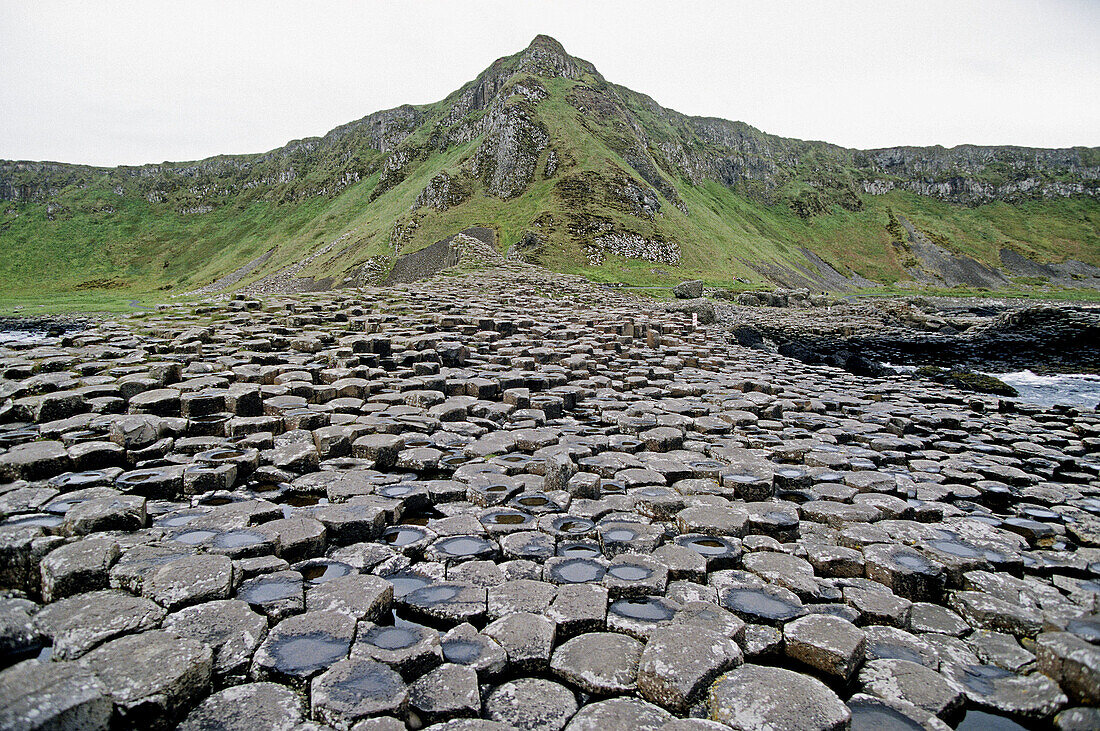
22,336
1074,389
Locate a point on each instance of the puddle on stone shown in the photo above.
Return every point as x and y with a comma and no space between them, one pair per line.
322,571
141,477
630,573
1086,629
620,534
532,501
578,571
400,535
578,549
652,491
77,480
60,506
955,548
719,552
194,537
976,720
431,595
238,539
880,717
175,520
368,681
646,609
390,638
759,603
740,479
913,562
463,546
269,590
220,455
404,583
396,492
463,652
573,526
981,679
887,651
307,653
41,520
506,517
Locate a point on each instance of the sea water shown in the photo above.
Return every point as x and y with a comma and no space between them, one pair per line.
1072,389
22,336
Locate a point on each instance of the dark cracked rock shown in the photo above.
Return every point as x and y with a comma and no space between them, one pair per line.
246,707
531,704
599,663
901,680
620,713
355,689
53,695
190,580
152,677
526,638
449,691
229,627
79,623
830,645
753,697
679,664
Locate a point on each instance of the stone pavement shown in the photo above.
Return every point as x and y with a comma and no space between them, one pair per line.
511,499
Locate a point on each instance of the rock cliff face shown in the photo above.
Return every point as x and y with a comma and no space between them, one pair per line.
302,168
656,142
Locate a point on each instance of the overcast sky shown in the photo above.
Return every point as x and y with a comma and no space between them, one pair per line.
118,82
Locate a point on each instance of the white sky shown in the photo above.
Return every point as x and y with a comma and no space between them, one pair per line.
115,82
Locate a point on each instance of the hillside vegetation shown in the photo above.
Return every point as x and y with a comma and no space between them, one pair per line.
573,172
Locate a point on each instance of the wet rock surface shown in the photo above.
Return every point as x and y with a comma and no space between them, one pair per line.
510,499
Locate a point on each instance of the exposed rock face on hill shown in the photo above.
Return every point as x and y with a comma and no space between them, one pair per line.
700,148
621,170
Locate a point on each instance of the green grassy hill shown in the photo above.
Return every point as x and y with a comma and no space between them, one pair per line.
573,172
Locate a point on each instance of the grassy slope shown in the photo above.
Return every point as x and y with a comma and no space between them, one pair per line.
146,251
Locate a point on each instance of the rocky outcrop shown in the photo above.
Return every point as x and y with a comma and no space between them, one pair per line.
508,158
435,258
974,335
442,192
633,246
332,162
